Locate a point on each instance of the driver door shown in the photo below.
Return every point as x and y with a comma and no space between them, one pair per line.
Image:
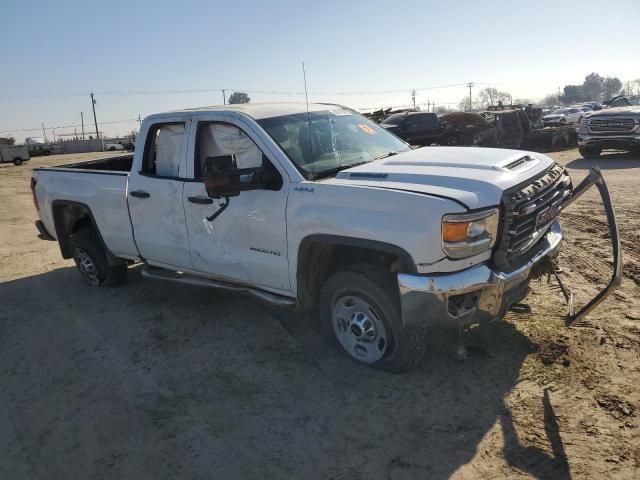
247,242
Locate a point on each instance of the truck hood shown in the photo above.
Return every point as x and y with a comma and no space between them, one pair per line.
476,177
617,111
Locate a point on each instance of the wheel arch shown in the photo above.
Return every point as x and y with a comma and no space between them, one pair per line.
68,218
320,255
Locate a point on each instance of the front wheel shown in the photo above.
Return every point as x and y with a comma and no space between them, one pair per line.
589,152
360,311
17,162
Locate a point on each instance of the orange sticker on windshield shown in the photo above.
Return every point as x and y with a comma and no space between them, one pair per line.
367,129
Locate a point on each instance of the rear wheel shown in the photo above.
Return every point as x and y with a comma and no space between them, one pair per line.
91,260
360,312
17,161
589,152
560,143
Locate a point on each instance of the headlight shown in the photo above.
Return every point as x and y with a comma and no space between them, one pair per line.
467,234
583,126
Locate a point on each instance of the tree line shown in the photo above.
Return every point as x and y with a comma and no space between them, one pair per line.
594,88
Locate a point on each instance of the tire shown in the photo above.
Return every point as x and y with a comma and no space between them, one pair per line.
560,144
372,332
91,260
589,152
17,162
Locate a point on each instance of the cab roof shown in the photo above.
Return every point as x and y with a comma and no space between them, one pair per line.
264,110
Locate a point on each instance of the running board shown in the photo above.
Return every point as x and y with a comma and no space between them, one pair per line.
164,274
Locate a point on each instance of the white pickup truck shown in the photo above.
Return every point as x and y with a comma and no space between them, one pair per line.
319,208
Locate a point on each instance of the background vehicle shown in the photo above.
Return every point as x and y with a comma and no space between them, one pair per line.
563,116
14,153
522,127
623,101
468,129
593,105
113,147
317,207
416,128
38,149
611,128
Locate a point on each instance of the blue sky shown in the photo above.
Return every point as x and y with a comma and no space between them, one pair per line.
56,53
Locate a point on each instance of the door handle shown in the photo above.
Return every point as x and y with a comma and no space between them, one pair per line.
200,200
140,194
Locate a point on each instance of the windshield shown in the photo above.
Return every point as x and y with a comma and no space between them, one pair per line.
330,140
560,112
394,119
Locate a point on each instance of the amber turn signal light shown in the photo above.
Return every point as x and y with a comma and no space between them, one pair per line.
454,231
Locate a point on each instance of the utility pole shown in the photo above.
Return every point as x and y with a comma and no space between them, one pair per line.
139,122
470,84
82,120
93,105
224,97
413,98
44,134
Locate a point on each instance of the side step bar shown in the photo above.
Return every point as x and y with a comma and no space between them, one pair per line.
164,274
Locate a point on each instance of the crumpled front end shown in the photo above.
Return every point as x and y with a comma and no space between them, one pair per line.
486,291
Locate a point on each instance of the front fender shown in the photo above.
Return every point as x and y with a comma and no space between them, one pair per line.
408,222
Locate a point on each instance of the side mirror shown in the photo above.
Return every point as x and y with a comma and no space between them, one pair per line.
223,179
220,177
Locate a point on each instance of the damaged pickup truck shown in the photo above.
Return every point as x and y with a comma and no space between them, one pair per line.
317,207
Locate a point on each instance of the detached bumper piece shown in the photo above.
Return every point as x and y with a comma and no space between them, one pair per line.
596,179
482,293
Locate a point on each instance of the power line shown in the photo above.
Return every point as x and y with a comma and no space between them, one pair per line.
223,90
66,126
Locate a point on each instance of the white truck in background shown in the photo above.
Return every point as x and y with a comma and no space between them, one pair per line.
17,154
317,207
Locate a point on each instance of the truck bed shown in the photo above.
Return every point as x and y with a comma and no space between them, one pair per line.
98,185
120,164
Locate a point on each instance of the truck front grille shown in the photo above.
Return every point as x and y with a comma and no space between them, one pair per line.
611,125
528,210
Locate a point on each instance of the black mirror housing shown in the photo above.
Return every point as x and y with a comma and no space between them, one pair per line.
220,177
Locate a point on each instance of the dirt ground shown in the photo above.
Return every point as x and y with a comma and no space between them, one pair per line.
156,380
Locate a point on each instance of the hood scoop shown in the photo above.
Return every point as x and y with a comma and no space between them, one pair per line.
521,163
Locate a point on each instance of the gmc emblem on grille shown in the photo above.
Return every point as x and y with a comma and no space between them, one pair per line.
548,214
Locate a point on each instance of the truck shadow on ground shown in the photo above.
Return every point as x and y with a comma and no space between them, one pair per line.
158,380
611,161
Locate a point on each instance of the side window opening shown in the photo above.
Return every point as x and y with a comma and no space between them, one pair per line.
162,150
217,139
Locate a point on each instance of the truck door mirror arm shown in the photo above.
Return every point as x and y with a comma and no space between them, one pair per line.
223,180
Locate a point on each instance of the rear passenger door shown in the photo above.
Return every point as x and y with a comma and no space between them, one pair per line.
154,195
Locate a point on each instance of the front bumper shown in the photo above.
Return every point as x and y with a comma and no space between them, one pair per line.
480,293
620,142
474,295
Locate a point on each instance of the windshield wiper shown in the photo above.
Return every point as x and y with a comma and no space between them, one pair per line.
385,155
332,171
